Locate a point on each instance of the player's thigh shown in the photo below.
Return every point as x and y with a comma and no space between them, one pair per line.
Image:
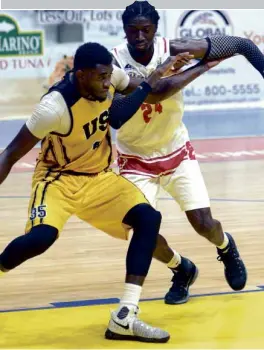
186,185
148,185
50,202
112,198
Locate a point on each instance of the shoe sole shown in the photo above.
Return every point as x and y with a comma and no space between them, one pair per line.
115,336
191,282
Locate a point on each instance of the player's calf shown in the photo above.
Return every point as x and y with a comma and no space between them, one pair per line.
205,225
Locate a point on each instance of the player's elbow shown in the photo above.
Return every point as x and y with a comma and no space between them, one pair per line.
115,122
115,126
172,87
153,99
248,42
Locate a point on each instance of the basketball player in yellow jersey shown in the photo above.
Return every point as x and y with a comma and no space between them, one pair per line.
72,175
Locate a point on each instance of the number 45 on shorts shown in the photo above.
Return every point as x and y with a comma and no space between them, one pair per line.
40,212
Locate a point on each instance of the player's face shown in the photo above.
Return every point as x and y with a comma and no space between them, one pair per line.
97,81
140,33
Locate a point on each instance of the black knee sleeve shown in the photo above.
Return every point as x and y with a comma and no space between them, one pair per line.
22,248
145,222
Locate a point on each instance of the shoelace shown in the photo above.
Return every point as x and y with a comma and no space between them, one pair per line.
233,257
180,282
134,314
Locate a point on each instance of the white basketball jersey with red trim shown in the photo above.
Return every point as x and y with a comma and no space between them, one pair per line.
155,130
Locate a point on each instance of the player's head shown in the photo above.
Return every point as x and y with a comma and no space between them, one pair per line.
93,68
140,21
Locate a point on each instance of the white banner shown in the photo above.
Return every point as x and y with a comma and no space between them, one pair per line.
103,26
32,42
233,83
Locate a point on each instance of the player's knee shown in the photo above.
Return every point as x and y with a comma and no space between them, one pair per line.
145,222
41,237
144,215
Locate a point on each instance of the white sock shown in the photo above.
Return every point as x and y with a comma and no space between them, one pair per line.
225,242
131,296
175,260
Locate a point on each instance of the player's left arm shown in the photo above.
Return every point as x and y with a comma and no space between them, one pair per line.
220,46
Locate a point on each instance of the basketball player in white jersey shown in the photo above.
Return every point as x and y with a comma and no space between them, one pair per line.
154,148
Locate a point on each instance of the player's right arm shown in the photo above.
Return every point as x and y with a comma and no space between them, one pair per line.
44,119
21,145
218,47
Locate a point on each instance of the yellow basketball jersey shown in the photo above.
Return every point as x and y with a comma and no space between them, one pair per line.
87,146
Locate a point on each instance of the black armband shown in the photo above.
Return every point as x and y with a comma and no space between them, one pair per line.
124,107
226,46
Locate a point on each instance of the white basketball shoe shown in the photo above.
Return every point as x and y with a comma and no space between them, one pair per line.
125,325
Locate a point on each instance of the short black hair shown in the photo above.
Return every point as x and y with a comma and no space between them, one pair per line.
140,8
89,55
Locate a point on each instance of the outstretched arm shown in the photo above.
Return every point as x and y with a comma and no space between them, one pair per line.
220,46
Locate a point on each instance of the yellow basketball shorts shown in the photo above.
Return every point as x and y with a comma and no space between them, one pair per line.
102,200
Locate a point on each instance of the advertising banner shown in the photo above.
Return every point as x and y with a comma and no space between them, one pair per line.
37,47
234,82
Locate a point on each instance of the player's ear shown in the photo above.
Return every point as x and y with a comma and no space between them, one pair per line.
79,75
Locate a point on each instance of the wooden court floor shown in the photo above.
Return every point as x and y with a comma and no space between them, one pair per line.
85,264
